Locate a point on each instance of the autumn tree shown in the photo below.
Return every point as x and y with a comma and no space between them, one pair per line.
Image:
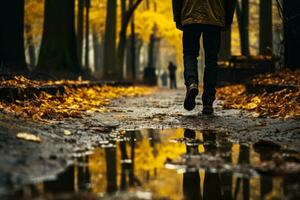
242,10
110,38
111,169
97,24
58,51
87,33
291,13
132,49
265,27
80,27
149,75
12,53
33,24
31,47
126,16
225,50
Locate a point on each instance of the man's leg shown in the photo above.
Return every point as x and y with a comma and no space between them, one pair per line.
191,47
211,43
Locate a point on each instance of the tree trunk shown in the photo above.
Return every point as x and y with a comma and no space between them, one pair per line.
225,51
265,27
130,64
80,26
139,44
123,32
149,72
58,49
122,43
110,40
133,53
129,61
128,71
96,47
123,10
291,9
31,51
151,53
12,51
87,34
111,169
31,47
243,21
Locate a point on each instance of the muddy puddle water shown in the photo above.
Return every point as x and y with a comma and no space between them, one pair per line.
171,164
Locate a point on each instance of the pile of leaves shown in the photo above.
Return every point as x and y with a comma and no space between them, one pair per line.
284,77
282,104
22,82
73,103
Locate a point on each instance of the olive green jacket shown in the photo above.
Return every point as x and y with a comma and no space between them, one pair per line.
212,12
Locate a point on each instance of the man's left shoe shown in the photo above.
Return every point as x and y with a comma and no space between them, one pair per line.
207,110
190,98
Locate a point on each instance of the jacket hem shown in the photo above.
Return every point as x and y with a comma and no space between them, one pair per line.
188,22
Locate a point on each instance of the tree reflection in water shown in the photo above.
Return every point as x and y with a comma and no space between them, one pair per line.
137,163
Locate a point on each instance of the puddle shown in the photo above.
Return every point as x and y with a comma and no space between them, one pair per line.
174,164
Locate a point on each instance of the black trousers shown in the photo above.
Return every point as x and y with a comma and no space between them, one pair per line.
191,48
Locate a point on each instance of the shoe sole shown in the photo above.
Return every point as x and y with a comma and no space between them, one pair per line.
190,101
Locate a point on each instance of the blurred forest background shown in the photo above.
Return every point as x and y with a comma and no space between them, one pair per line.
121,39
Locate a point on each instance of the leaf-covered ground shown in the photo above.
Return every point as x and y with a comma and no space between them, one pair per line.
284,77
70,104
284,103
74,102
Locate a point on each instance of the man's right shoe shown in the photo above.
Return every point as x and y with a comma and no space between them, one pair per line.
190,98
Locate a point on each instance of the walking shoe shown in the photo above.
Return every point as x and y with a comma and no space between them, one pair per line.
207,110
190,98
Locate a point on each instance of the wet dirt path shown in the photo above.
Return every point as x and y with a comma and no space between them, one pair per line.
231,141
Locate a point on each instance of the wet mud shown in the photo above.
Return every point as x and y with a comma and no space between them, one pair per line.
174,164
150,148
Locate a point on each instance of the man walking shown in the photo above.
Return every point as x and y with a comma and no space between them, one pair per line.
207,18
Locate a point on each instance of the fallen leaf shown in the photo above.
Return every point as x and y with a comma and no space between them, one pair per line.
74,102
67,132
29,137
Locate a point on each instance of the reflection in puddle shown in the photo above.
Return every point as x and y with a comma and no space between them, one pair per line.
167,164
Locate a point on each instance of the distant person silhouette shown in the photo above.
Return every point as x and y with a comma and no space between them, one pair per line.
207,17
172,74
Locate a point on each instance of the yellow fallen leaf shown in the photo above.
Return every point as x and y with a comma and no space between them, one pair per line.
250,106
29,137
67,132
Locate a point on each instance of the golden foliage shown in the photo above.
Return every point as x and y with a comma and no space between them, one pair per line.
71,104
20,82
159,15
285,77
34,14
284,103
149,161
